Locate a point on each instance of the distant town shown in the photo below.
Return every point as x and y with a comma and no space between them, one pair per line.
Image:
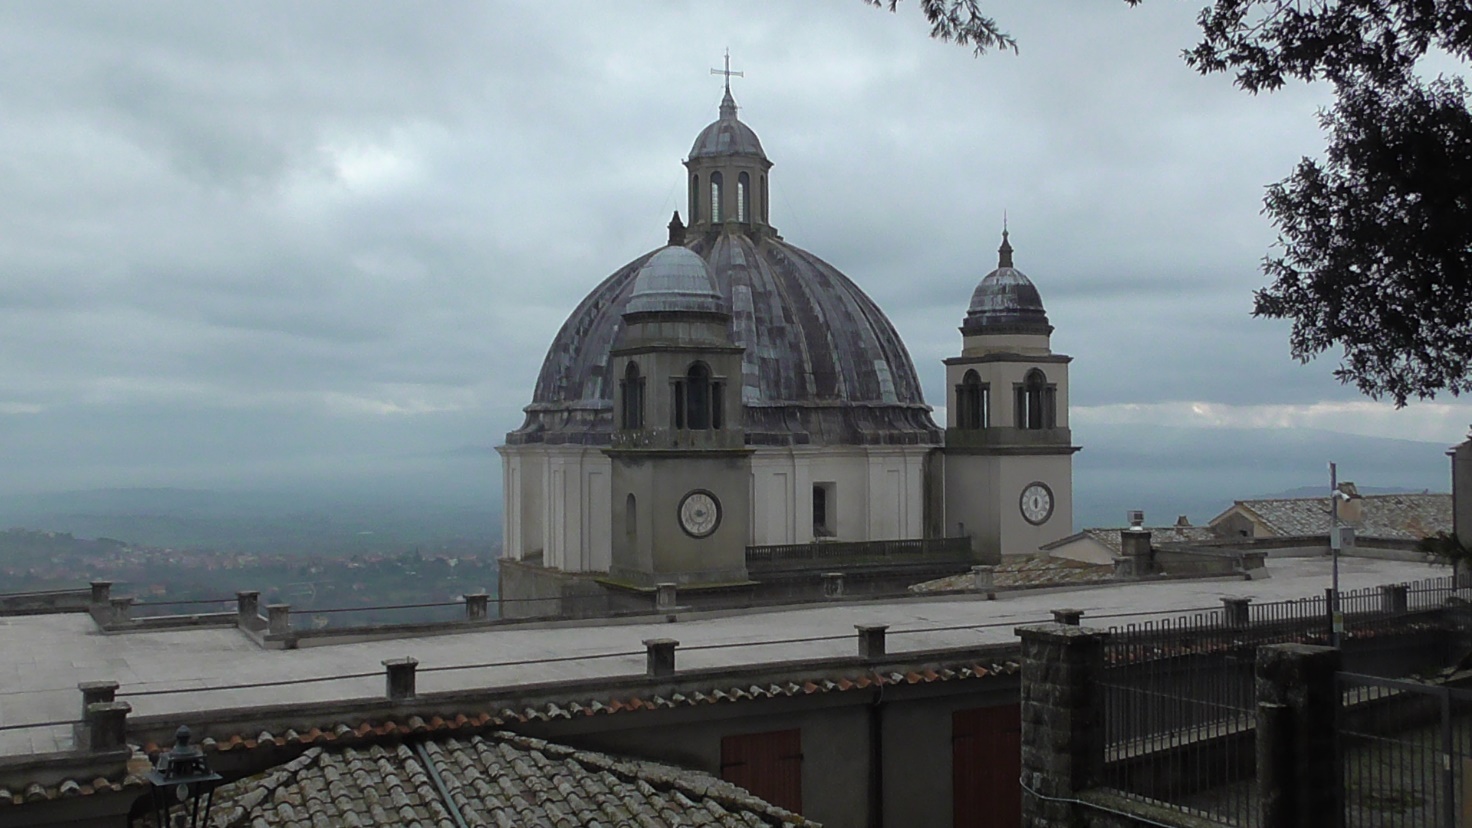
358,583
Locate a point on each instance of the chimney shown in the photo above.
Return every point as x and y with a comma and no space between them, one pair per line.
1183,522
1351,505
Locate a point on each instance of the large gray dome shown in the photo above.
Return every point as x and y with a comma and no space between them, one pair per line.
1006,301
727,135
822,365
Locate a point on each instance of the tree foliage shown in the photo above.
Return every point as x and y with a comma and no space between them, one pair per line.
1375,237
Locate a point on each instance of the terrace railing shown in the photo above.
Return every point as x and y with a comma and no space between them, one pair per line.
822,554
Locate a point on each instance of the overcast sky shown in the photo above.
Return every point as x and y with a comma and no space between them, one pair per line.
251,242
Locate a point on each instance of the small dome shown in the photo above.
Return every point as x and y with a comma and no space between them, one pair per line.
1006,301
727,135
676,279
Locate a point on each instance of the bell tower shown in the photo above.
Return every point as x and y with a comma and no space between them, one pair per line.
681,472
1008,448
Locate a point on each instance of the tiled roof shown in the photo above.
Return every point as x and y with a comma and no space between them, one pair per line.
1401,516
1158,535
500,779
474,721
1025,571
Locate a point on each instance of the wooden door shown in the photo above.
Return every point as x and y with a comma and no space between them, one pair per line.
767,764
986,765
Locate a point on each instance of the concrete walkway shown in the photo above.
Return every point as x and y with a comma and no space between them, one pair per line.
42,658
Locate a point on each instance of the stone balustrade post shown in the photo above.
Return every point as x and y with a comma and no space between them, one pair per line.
1236,612
1393,598
107,725
278,619
399,678
871,640
121,611
97,692
1297,740
477,606
666,596
1071,617
984,579
248,609
832,584
1062,720
660,656
101,593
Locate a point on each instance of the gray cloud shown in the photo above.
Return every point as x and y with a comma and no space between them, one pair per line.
274,237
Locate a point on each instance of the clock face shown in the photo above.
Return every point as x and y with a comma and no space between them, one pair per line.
700,513
1037,503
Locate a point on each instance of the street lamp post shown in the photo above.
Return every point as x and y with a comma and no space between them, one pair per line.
1336,616
182,777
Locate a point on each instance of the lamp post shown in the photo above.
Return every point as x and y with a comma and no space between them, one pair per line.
1336,616
182,777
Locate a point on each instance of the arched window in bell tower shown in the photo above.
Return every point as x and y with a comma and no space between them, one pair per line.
632,392
694,198
715,197
1037,402
765,201
743,197
973,402
697,397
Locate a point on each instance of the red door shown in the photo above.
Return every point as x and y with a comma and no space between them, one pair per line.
986,765
767,764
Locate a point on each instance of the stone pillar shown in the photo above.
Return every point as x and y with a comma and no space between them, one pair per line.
660,656
1134,544
1393,598
1071,617
1297,742
666,596
278,619
248,609
477,606
101,593
984,580
832,584
97,692
107,725
1236,612
121,610
871,640
1062,720
1462,492
399,678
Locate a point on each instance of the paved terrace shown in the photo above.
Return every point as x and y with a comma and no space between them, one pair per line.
42,658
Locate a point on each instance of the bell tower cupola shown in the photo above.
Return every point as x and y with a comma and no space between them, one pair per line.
727,173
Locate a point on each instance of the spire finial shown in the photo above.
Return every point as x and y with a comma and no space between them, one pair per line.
728,103
1004,253
677,230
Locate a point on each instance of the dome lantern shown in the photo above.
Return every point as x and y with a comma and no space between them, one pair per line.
728,172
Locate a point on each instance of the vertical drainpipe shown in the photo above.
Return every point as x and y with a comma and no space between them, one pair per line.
876,759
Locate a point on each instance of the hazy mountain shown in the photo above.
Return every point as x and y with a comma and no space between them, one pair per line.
1198,472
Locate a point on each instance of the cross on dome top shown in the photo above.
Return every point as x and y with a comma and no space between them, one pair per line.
728,103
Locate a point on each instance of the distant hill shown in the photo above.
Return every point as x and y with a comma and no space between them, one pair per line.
1198,472
257,521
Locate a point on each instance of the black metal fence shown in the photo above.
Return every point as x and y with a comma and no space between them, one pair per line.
1406,751
1180,702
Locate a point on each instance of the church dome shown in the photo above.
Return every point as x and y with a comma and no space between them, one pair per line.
675,279
727,135
1006,301
822,363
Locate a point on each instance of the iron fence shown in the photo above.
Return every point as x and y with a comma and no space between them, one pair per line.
1179,707
1406,753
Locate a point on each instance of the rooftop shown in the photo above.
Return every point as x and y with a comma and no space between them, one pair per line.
172,673
1399,516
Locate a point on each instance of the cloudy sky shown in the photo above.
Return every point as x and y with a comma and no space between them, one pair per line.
245,243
